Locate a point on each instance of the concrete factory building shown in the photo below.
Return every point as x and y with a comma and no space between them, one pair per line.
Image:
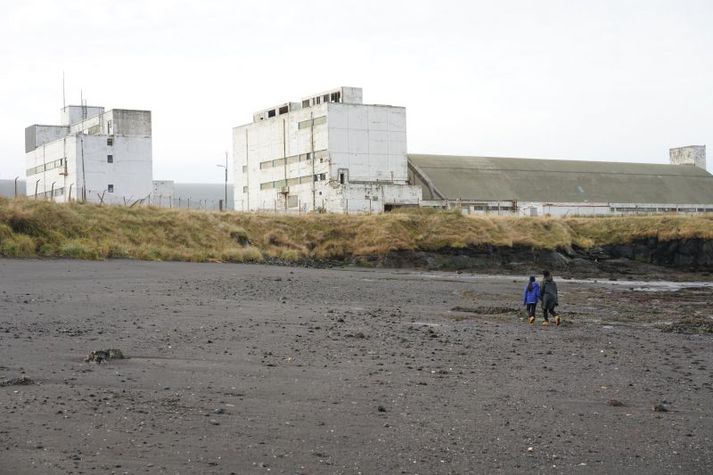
563,187
93,155
328,152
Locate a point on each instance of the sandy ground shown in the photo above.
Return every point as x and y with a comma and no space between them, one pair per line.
257,369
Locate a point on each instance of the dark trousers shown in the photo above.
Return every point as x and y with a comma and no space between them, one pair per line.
548,309
531,307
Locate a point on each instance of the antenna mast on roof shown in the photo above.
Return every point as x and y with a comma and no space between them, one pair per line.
64,100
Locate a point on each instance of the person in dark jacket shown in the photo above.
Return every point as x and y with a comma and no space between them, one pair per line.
530,296
548,296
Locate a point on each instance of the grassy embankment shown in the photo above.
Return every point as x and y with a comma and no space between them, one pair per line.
31,228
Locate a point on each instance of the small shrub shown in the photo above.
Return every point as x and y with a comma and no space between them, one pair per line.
239,235
249,254
18,246
79,250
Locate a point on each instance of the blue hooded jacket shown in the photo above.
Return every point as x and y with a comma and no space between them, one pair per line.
531,296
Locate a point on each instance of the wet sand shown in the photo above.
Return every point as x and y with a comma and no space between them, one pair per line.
260,369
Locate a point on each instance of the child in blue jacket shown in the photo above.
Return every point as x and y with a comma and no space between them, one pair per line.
530,297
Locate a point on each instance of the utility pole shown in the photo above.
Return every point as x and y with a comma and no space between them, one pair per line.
226,181
225,202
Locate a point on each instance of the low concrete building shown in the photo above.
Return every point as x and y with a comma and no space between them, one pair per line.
564,187
93,155
206,196
327,152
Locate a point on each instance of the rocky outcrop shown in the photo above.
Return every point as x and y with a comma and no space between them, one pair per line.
684,254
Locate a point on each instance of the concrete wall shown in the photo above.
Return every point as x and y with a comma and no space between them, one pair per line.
37,135
368,142
323,157
691,155
46,157
290,135
131,122
130,173
510,208
71,115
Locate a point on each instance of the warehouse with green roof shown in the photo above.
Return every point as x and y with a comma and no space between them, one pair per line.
564,187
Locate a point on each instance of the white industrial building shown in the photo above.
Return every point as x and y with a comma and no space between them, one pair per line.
93,155
328,152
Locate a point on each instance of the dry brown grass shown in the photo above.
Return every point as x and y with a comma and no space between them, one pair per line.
31,228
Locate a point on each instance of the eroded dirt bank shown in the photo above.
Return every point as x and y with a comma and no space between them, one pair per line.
245,369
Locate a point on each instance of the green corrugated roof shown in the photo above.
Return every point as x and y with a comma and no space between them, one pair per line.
563,181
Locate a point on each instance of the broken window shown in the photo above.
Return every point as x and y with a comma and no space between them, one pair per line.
336,96
326,98
110,159
271,113
284,110
110,188
110,141
109,127
305,103
342,179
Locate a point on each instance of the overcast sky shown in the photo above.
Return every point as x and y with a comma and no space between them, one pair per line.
619,80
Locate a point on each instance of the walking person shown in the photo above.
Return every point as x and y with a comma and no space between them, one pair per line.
530,296
548,296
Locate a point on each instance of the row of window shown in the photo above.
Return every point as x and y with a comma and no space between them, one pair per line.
47,194
660,210
280,162
305,124
333,97
290,182
57,164
46,167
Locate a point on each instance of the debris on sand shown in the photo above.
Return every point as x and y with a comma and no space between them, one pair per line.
691,324
102,355
21,381
485,310
615,403
660,407
381,408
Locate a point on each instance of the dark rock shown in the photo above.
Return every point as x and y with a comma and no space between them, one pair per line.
20,381
102,355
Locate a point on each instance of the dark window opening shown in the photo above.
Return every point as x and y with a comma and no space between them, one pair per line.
341,178
336,96
305,103
110,159
110,188
326,98
110,141
271,113
284,110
